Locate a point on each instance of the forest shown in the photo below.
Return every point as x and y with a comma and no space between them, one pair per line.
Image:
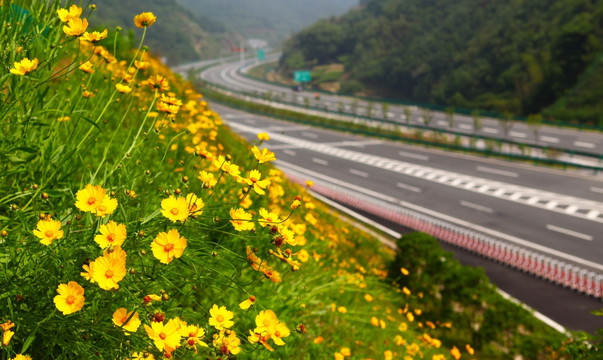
515,57
180,36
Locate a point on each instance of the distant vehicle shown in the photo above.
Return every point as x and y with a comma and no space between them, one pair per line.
297,88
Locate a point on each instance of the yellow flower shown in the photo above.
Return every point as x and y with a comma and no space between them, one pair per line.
75,27
70,298
208,179
158,82
264,155
268,218
129,321
144,19
263,136
374,321
227,344
141,356
257,184
24,66
111,234
309,183
268,326
175,209
469,349
303,255
247,303
88,272
168,246
221,318
107,207
123,88
388,355
89,198
319,339
404,271
141,65
368,297
63,119
110,269
456,354
342,309
241,220
48,230
6,336
94,36
74,12
410,316
21,357
194,334
166,337
339,356
345,351
195,204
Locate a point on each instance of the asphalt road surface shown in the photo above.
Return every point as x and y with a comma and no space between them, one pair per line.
559,213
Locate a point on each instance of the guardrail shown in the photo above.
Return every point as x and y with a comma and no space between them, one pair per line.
392,136
440,108
545,267
543,148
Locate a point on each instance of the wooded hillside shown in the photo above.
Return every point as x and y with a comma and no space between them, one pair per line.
517,56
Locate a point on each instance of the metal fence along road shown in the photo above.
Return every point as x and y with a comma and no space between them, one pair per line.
543,266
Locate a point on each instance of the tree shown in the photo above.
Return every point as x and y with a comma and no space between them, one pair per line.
534,122
506,123
427,117
407,114
385,109
477,121
450,117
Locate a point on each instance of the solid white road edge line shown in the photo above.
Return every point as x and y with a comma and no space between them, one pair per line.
569,232
396,235
435,214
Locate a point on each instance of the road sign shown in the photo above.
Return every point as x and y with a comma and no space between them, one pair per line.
302,76
261,55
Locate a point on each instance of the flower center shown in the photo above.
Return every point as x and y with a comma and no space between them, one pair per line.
253,180
174,211
49,233
168,247
220,318
91,200
110,238
277,334
109,274
102,208
70,300
162,335
191,342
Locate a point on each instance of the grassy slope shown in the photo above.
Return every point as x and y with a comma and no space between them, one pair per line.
56,140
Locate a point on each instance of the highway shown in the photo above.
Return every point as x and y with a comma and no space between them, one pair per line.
227,74
559,213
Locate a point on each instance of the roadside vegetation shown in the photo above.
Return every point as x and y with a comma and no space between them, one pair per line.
524,58
135,225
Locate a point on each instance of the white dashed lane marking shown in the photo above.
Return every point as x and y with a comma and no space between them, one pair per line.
408,187
518,134
497,171
569,232
584,144
289,152
320,161
359,173
476,206
582,208
549,139
596,189
413,156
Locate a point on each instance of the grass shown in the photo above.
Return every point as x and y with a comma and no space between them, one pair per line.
122,145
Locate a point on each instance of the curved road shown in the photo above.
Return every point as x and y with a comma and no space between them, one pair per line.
559,213
228,75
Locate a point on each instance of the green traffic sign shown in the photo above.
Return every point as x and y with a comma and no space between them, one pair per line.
261,55
302,76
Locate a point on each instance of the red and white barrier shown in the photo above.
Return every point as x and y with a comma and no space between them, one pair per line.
543,266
